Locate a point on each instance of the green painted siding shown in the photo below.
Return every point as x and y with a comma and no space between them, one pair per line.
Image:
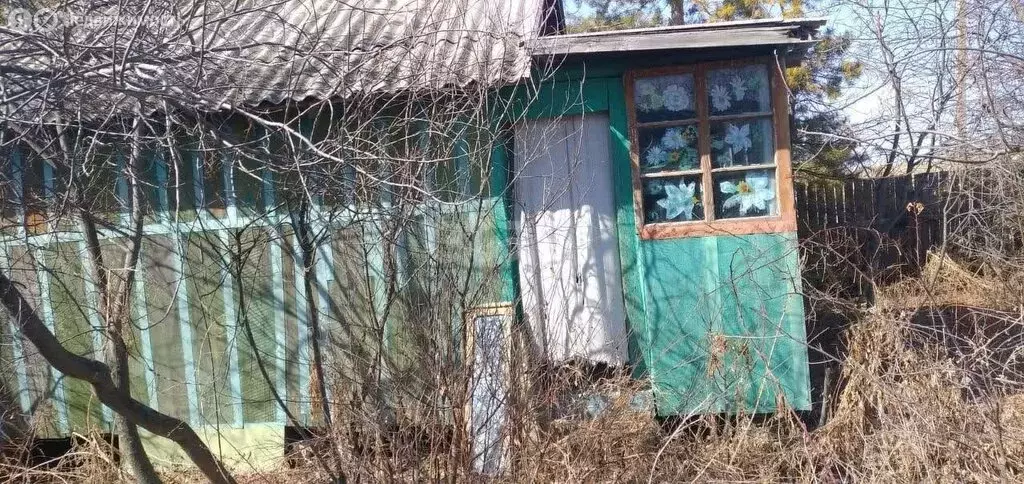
716,323
726,324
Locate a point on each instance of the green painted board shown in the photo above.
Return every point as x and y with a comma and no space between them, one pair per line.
726,324
258,314
67,298
165,336
204,272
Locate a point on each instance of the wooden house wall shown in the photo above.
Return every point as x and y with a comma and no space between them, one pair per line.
715,322
189,357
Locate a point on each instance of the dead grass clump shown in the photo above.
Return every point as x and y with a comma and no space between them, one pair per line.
90,459
902,415
944,281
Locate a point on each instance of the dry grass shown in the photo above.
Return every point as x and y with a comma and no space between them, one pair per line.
909,409
902,415
944,281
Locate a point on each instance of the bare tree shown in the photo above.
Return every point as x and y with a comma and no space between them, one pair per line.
940,83
207,155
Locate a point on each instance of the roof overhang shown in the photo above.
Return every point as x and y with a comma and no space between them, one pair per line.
747,33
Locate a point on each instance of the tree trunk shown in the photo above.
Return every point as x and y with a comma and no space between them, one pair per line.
115,353
98,375
678,12
133,454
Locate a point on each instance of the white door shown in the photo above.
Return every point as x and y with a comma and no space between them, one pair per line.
567,246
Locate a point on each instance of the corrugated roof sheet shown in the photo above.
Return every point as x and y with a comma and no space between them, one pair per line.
251,52
325,48
258,52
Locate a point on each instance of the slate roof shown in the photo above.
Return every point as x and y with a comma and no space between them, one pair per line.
326,48
214,54
257,52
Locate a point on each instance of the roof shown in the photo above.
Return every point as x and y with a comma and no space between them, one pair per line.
228,53
745,33
326,48
250,52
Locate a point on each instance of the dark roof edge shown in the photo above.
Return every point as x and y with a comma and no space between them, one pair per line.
700,36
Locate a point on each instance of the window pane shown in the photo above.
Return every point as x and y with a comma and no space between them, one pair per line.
664,98
672,199
741,143
745,194
739,90
668,149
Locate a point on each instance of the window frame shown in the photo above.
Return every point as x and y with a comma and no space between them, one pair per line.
784,220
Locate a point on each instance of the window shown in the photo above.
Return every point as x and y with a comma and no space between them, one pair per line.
710,150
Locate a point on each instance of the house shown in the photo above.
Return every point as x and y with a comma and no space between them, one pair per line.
637,212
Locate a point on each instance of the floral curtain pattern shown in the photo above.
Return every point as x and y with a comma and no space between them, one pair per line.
735,125
665,98
739,90
745,194
742,142
672,148
675,199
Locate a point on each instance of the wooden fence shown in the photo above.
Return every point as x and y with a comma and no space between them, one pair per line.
870,228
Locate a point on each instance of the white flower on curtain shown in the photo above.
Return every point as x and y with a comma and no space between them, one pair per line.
754,192
676,97
679,200
648,97
656,157
673,139
720,98
738,137
739,87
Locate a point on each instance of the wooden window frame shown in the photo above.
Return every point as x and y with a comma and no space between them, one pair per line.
784,221
506,311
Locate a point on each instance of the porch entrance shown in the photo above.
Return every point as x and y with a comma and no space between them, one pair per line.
569,272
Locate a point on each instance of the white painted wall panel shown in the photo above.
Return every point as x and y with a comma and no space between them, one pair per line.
568,251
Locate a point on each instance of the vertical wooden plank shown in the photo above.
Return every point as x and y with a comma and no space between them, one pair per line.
231,327
93,315
290,362
302,324
817,207
783,156
18,178
42,410
500,170
865,203
43,279
140,308
849,203
626,214
17,344
45,303
820,208
703,145
894,211
70,306
802,209
277,292
160,272
256,316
